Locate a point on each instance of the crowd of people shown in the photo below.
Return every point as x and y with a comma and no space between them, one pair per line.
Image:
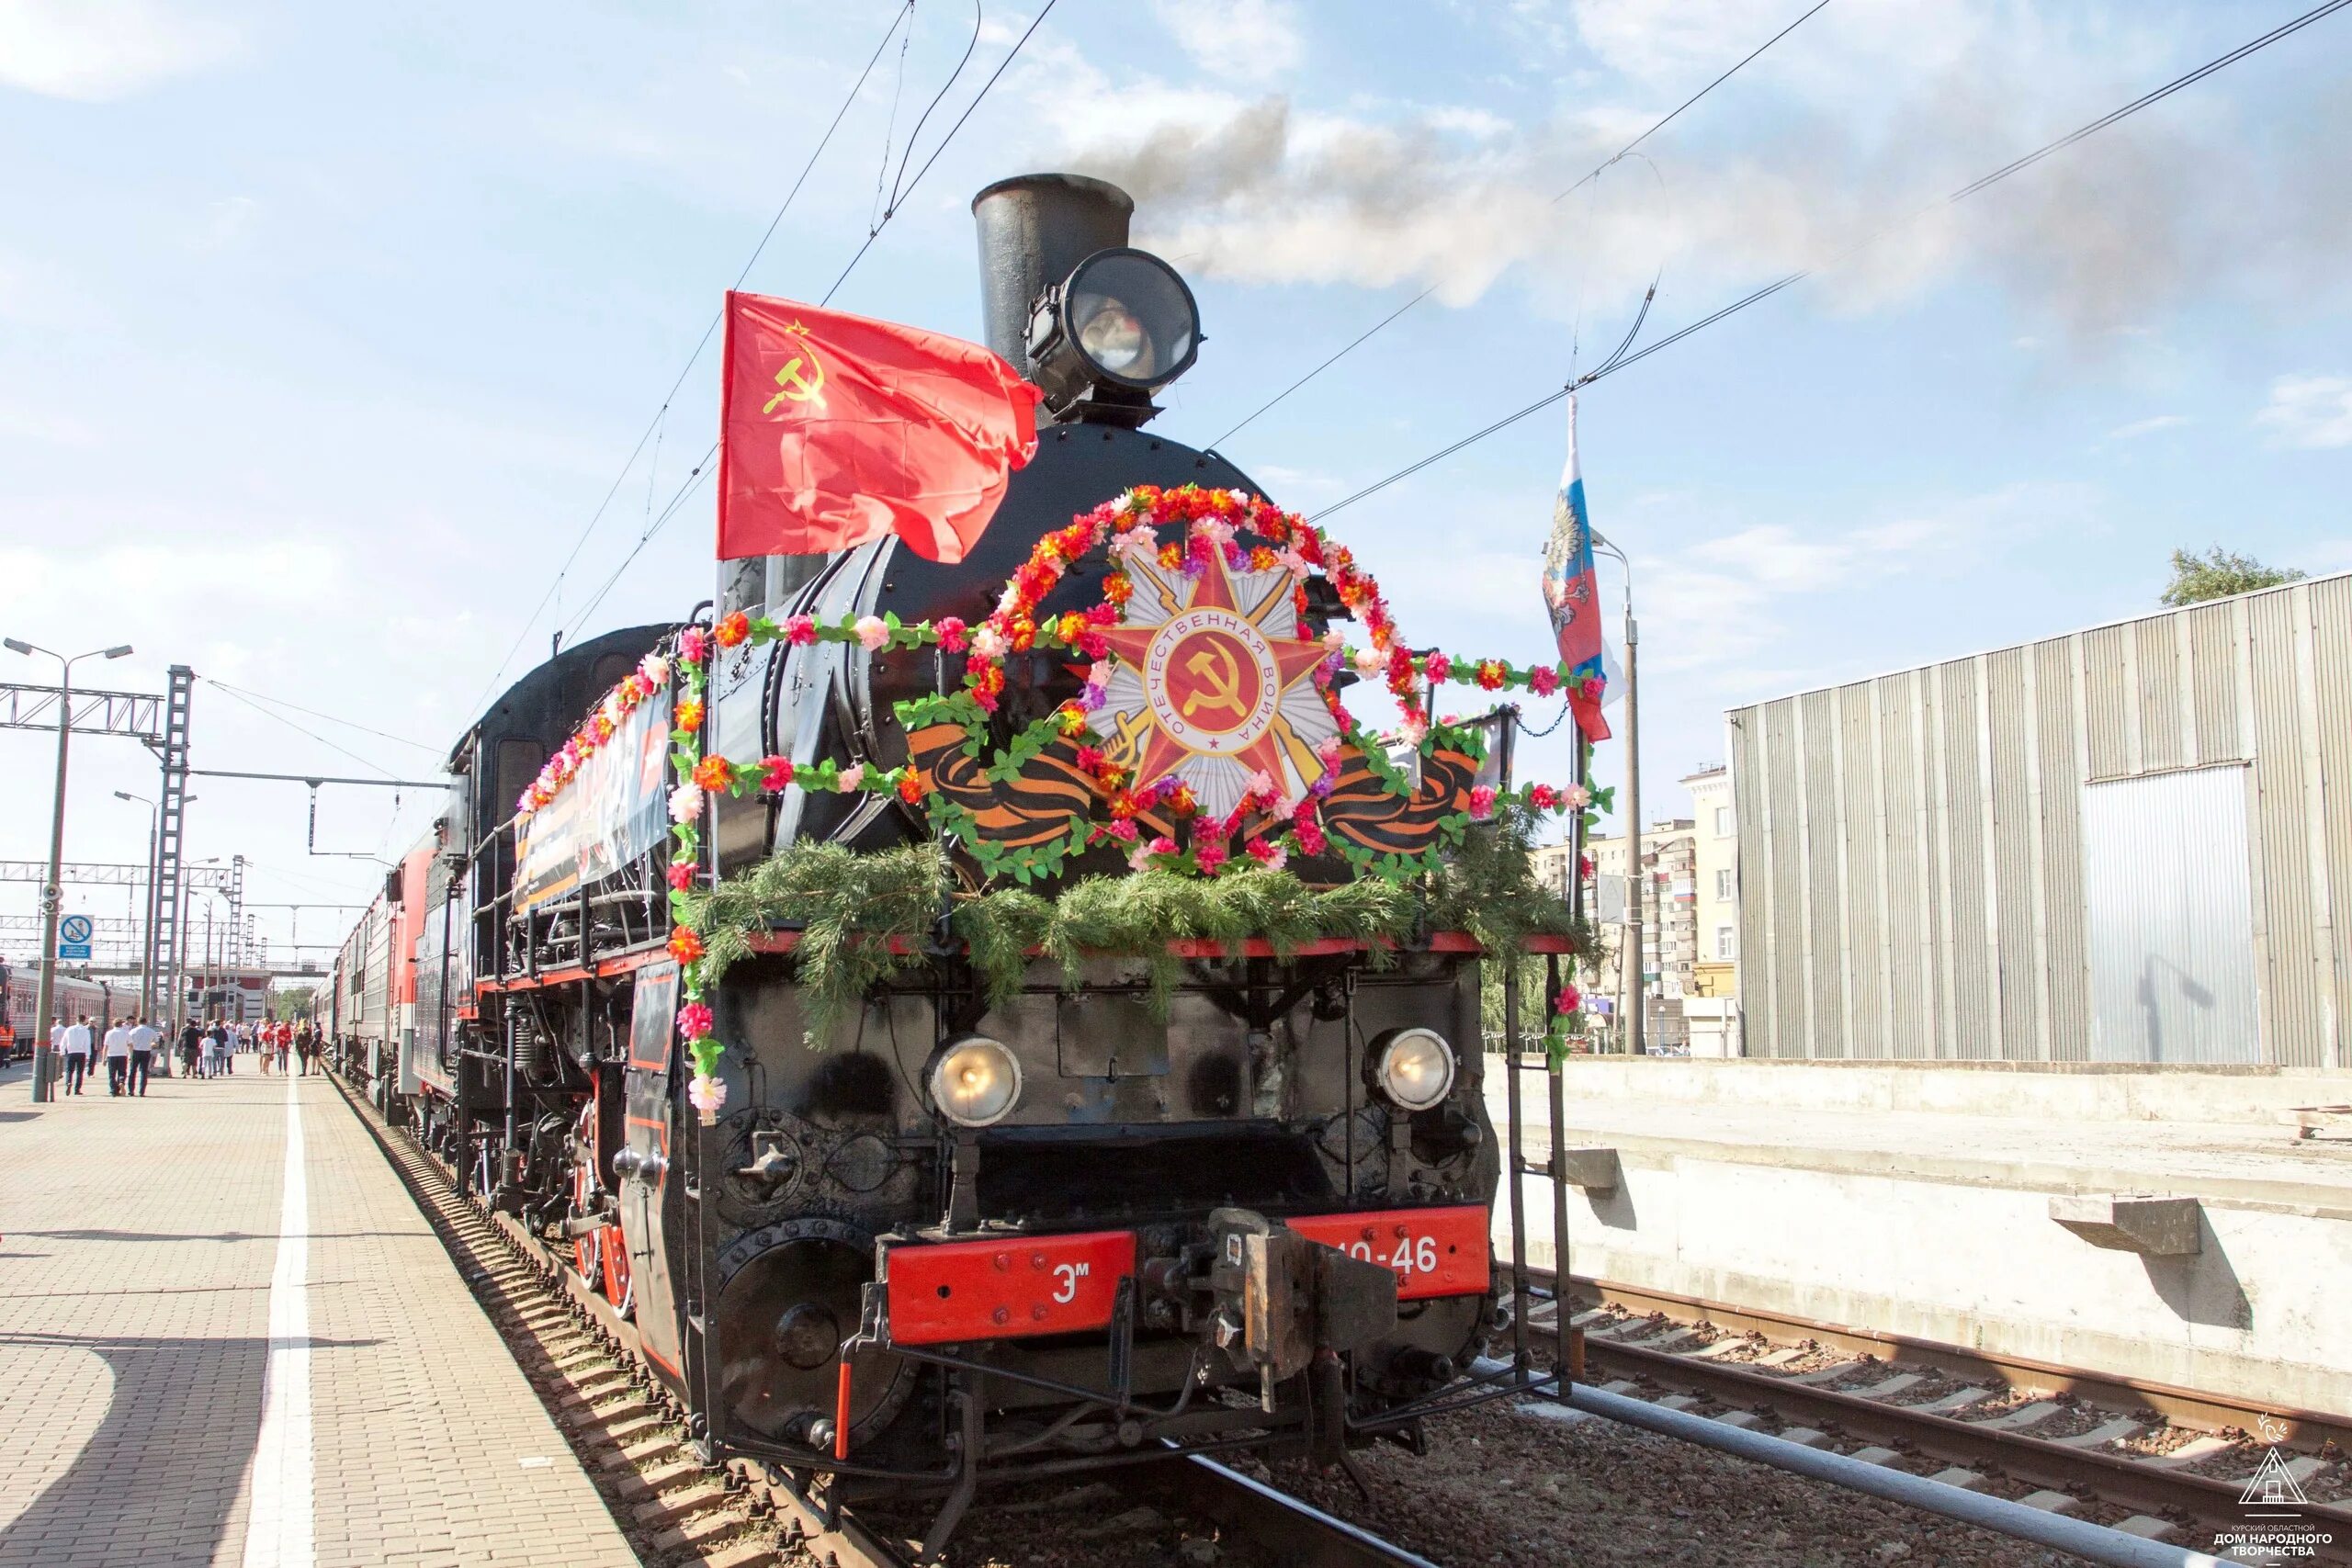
207,1049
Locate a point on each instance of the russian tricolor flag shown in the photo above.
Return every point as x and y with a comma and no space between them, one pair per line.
1573,596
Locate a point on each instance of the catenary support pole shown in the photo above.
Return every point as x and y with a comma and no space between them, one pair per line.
52,895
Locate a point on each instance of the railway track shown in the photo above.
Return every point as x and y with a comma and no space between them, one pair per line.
631,1434
1920,1407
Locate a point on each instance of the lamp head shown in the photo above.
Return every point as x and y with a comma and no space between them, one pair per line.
117,652
13,646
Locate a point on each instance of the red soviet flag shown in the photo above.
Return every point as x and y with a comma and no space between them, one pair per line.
835,430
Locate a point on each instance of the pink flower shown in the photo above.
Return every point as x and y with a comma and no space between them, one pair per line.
1138,539
707,1095
1570,999
1260,784
1335,639
988,643
1283,807
951,634
1544,797
693,1021
1413,731
1123,830
694,645
1309,833
1368,662
850,778
656,671
777,775
799,630
873,631
1575,797
1328,754
1271,856
685,801
681,875
1209,857
1437,667
1482,803
1544,680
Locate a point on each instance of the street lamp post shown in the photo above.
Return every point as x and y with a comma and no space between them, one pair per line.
1635,987
52,893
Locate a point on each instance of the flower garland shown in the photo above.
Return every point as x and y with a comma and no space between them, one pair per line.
1489,674
1565,1009
1129,525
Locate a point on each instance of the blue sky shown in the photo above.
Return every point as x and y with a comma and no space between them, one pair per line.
324,329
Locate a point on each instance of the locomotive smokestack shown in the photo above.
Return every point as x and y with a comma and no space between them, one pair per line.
1034,230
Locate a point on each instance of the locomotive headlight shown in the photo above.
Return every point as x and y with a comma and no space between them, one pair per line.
974,1081
1121,325
1414,1068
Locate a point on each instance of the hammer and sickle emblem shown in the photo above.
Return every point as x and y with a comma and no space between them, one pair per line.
1215,667
797,388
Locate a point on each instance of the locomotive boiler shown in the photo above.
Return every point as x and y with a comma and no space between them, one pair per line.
1227,1196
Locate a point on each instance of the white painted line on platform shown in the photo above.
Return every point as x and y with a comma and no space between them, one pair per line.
279,1524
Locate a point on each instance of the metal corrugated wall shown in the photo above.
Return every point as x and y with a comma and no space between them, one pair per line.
1911,847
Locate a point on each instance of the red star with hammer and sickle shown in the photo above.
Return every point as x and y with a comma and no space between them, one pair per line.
1294,660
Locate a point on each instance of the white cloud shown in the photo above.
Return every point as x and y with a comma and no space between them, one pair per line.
101,50
1255,39
2149,426
2310,412
1719,602
1869,119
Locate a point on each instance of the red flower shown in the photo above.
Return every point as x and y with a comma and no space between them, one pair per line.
1309,833
1437,667
694,645
1482,803
912,786
686,946
951,631
1490,675
1544,797
682,875
777,776
693,1021
732,629
1544,680
1570,999
714,774
1090,759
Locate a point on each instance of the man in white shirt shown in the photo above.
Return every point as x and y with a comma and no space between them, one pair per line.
144,1036
76,1049
118,1058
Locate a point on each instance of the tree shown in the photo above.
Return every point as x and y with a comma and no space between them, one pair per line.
2217,574
292,1001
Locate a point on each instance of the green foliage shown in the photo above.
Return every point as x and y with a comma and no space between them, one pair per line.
865,917
1488,888
2219,574
293,1001
847,906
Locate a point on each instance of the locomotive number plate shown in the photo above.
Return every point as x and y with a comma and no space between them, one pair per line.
1434,1252
995,1290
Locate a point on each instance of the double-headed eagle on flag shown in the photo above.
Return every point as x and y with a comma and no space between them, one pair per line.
1571,594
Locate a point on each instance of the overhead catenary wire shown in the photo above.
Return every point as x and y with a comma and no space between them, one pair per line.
1596,171
234,695
1625,360
901,18
314,713
694,479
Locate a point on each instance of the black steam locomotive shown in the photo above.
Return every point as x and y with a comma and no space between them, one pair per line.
947,1236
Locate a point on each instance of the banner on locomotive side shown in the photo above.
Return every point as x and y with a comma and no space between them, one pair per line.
609,816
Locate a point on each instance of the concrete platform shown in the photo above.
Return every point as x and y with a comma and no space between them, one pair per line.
215,1354
1934,1200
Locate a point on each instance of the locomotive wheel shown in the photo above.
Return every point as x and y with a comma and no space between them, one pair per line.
782,1317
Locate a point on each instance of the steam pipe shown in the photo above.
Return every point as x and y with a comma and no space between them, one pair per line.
1034,229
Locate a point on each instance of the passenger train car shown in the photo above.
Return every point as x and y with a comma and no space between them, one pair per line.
73,996
950,1236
